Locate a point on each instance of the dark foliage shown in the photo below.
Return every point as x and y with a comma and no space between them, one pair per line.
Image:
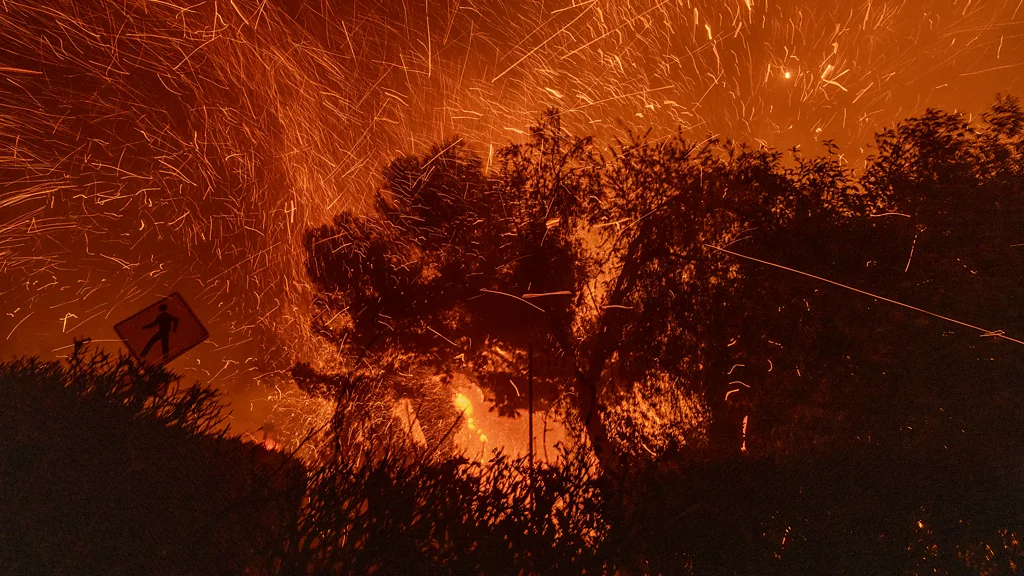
926,508
398,513
100,477
110,467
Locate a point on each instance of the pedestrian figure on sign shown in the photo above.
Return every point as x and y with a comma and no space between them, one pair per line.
165,324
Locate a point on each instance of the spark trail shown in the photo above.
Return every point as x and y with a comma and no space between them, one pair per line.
147,147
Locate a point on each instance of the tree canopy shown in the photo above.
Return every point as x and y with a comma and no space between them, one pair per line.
637,265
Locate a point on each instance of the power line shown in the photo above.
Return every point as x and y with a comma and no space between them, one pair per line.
984,332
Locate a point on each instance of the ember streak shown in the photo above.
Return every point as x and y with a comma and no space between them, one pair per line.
158,146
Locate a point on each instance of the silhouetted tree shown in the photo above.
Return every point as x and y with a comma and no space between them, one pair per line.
940,206
606,261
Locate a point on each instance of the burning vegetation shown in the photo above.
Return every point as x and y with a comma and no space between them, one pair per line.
750,359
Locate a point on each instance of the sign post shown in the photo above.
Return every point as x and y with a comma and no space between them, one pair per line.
163,331
529,376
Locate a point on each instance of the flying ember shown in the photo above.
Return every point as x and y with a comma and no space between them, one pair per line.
147,148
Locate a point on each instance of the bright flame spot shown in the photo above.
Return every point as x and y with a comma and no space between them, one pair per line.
484,430
463,404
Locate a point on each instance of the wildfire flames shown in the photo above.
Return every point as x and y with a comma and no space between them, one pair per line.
147,147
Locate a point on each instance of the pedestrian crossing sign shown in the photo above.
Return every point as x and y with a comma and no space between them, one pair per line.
163,331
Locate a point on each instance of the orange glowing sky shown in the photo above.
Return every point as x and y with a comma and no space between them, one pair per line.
185,146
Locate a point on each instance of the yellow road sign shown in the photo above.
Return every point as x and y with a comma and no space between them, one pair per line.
163,331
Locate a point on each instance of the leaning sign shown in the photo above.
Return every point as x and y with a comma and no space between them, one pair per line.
163,331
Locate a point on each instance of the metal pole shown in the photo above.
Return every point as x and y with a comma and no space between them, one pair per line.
530,388
529,377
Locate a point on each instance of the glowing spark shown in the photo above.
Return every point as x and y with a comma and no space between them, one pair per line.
743,448
532,305
589,5
911,257
64,324
541,295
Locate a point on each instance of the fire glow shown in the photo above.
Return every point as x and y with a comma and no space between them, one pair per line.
159,146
